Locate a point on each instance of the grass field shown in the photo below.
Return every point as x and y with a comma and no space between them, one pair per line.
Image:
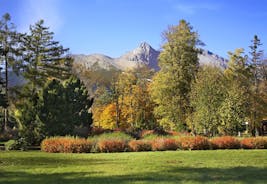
222,166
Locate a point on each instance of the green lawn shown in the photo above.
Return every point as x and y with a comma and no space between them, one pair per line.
222,166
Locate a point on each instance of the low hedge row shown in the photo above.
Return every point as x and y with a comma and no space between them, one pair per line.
66,145
117,142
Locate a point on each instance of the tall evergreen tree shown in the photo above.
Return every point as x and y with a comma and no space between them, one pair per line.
8,51
43,59
178,66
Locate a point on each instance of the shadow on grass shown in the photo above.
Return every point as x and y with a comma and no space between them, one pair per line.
52,162
173,175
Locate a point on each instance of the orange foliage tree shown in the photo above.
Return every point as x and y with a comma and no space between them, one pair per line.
129,105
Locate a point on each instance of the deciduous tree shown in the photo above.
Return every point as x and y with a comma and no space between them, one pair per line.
178,63
234,108
206,97
257,104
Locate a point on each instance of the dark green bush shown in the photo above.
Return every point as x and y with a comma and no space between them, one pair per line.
19,144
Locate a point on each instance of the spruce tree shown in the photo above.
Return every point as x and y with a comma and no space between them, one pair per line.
43,59
178,66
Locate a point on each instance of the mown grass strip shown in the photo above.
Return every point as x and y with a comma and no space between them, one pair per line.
212,166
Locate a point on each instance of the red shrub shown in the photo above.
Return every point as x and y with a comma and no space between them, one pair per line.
163,144
226,142
254,143
194,143
80,146
66,145
201,143
186,142
112,145
140,145
247,143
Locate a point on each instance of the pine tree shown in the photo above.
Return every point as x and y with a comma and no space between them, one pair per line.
8,51
43,59
178,66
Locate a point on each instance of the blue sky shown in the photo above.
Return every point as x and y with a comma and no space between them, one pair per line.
113,27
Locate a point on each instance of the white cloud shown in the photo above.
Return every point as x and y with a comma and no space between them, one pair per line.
193,8
34,10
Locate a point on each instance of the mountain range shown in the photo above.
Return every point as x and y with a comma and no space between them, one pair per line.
144,54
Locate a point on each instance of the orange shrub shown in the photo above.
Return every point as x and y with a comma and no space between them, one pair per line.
254,143
163,144
140,145
201,143
194,143
66,145
115,145
225,142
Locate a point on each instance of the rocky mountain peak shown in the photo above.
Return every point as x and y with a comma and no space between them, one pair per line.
145,46
144,54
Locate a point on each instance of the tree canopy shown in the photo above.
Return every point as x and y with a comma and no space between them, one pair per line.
178,63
